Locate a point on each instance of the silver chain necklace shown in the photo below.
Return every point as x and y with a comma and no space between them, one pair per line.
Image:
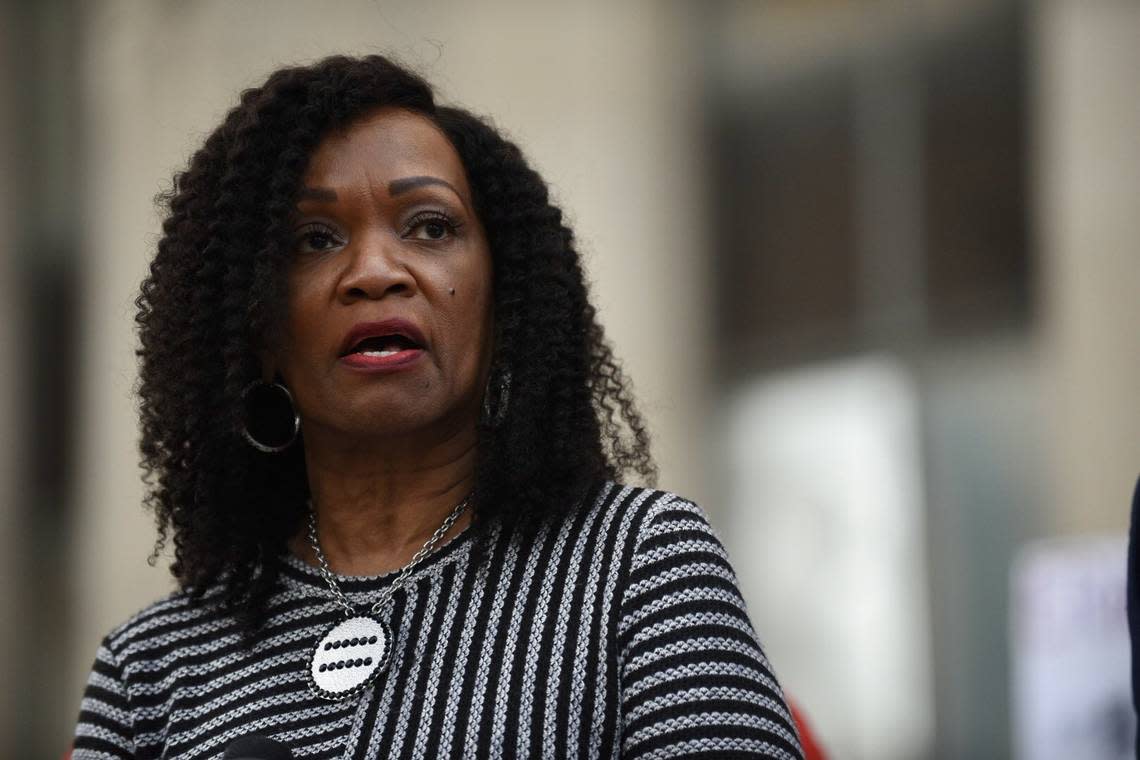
352,653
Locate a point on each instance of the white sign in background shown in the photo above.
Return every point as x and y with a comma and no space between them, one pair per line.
826,529
1071,655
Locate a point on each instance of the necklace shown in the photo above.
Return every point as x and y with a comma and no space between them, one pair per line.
354,652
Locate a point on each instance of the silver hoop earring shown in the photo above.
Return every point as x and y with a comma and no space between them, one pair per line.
496,399
270,421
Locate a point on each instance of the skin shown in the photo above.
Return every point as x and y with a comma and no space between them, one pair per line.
387,455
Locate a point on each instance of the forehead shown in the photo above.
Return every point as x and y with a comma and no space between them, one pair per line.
383,145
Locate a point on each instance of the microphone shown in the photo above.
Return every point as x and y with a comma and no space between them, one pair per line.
256,747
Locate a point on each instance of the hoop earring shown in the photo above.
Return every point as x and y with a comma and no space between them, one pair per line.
268,408
496,399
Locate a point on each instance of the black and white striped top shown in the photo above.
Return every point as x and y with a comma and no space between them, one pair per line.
619,633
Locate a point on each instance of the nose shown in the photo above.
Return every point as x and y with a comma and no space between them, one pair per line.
376,269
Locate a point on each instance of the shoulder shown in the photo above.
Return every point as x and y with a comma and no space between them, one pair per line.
647,511
618,504
673,540
160,622
612,496
610,525
642,521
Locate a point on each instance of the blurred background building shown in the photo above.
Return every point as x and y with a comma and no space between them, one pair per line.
892,349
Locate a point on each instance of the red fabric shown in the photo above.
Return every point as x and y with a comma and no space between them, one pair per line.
812,750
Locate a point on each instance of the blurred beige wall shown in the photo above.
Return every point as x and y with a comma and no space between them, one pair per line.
1087,162
597,94
10,392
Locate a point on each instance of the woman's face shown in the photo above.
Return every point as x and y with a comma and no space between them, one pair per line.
389,323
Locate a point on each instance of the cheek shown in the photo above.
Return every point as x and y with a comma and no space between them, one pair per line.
478,305
467,326
302,339
471,320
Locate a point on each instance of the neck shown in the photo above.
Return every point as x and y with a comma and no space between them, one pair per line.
378,502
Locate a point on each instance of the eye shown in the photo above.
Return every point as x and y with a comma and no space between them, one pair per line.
431,225
316,237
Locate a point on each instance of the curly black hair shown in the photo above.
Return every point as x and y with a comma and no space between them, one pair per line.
215,296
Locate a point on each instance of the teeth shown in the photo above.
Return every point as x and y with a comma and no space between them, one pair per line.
385,352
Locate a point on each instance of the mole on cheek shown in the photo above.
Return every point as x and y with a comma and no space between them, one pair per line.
451,291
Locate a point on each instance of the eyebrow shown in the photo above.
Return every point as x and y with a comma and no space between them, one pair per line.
397,186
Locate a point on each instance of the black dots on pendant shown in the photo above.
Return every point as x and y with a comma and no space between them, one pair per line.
351,642
359,662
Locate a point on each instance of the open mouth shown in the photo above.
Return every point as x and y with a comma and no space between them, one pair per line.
383,345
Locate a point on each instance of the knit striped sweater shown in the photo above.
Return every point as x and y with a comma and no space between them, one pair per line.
617,633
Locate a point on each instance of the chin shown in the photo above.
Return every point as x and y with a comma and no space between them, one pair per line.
382,424
403,422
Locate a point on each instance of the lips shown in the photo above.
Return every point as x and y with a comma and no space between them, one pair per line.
381,338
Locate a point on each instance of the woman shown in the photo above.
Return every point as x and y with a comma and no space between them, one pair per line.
383,429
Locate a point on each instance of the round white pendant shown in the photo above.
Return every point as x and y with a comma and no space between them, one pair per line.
349,657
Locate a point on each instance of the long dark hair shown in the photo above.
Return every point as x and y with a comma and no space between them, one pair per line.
215,295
